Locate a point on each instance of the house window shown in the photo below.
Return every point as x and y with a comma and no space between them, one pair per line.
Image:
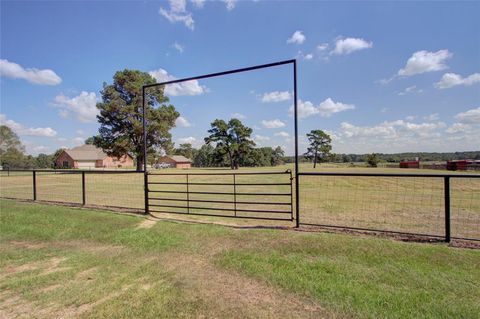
65,164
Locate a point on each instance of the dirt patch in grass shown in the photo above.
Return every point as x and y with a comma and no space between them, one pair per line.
233,295
49,266
147,223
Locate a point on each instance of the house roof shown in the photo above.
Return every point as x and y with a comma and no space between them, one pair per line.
86,153
179,158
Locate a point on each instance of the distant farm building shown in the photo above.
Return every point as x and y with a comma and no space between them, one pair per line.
89,156
463,165
177,161
410,164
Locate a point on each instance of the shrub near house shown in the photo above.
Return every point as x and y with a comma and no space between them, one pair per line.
89,156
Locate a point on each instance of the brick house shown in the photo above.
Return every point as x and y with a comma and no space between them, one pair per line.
177,161
89,156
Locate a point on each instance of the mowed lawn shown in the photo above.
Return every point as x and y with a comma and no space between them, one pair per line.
68,262
403,204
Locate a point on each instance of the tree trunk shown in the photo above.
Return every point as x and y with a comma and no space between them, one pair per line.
315,160
139,163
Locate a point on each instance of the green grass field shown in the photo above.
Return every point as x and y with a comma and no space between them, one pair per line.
412,204
60,262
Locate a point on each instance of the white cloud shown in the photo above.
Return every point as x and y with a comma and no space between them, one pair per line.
384,109
282,134
308,56
189,140
329,107
178,13
424,61
230,4
182,122
273,123
27,131
261,138
391,130
180,48
276,96
469,117
238,116
297,37
325,109
349,45
198,3
322,46
305,109
451,79
178,89
41,149
432,117
83,106
43,77
411,89
459,128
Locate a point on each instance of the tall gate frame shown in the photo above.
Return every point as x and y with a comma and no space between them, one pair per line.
292,62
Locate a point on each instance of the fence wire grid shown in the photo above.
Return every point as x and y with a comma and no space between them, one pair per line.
407,204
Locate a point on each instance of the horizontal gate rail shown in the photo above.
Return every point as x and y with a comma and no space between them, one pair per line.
222,193
218,215
219,184
240,173
225,209
219,201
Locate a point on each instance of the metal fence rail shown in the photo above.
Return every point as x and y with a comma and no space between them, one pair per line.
438,205
237,195
121,189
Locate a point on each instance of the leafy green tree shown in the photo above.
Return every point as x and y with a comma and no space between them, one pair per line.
44,161
11,149
205,156
320,146
121,126
231,139
186,150
90,140
9,139
278,156
372,160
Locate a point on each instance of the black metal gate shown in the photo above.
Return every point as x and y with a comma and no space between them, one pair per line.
260,195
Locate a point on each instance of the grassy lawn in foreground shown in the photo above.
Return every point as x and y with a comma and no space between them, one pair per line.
59,261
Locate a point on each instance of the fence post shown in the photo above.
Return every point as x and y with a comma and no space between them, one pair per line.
446,188
83,189
188,198
145,187
34,185
234,195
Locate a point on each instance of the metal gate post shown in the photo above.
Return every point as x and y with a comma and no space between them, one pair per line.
297,200
145,187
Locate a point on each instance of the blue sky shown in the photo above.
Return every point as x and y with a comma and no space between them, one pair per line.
378,76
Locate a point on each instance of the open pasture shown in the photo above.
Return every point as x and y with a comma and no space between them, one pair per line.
402,204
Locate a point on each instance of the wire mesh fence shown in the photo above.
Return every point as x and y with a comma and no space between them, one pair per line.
465,207
404,203
122,189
